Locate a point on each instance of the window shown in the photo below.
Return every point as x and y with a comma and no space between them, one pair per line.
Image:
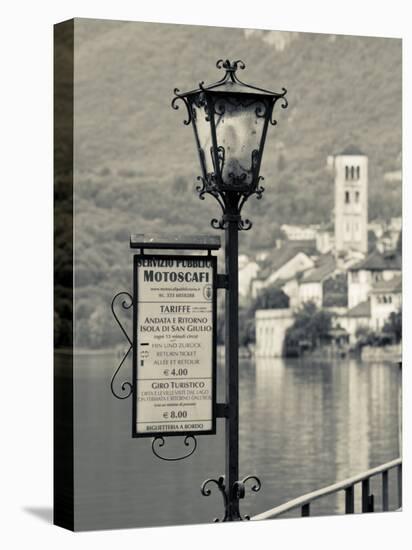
347,172
347,197
357,196
352,172
357,172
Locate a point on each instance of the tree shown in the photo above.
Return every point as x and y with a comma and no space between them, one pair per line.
271,297
393,325
311,324
365,336
335,291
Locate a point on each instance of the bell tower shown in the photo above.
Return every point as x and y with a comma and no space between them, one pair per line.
351,201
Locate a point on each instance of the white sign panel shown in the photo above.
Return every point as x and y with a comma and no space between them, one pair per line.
174,335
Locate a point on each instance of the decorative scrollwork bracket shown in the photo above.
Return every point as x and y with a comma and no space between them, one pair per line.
220,483
160,441
238,492
126,387
240,489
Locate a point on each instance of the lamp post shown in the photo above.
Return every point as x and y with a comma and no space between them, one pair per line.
230,120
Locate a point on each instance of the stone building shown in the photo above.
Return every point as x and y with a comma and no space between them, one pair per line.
355,318
363,275
351,201
311,283
285,263
271,327
386,298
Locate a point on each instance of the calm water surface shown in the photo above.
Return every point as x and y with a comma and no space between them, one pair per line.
303,425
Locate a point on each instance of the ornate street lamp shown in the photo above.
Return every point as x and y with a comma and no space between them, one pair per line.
230,121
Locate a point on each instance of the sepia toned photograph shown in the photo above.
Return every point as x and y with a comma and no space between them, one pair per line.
227,274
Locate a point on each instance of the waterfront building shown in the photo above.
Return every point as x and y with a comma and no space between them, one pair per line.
311,283
355,318
271,327
339,275
386,298
376,267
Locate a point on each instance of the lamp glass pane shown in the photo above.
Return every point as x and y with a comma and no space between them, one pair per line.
239,122
203,134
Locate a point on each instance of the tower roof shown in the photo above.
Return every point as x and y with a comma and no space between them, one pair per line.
351,150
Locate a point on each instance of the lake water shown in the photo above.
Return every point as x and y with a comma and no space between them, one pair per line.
303,425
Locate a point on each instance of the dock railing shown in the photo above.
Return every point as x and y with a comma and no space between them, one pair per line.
348,486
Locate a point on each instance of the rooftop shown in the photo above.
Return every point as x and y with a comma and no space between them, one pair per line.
393,285
326,266
308,246
281,256
377,261
363,309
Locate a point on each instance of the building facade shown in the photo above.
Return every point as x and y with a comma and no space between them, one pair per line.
311,283
355,318
386,298
271,327
375,268
287,262
351,201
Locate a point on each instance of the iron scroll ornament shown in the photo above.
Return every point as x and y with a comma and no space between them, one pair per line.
230,76
239,488
160,441
126,387
231,189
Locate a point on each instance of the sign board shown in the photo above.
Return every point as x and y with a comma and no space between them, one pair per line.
174,353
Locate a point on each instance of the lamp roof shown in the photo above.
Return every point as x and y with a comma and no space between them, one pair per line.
230,84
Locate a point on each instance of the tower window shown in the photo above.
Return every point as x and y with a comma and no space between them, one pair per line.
352,172
347,172
357,196
357,172
347,197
